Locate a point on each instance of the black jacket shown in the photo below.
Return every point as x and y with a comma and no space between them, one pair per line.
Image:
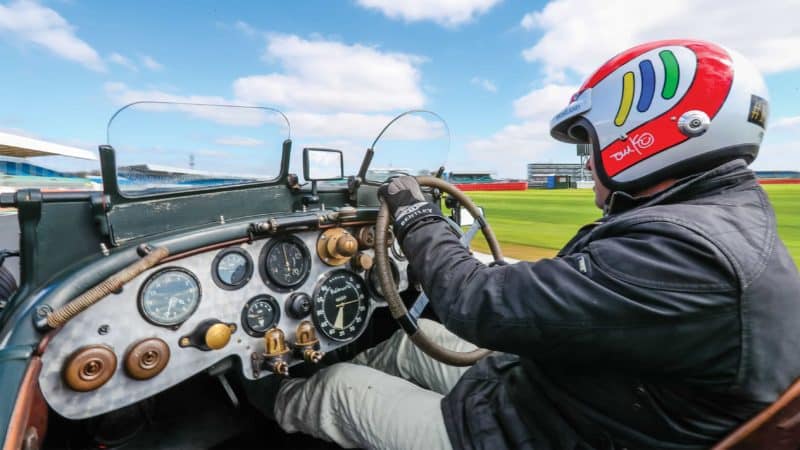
663,325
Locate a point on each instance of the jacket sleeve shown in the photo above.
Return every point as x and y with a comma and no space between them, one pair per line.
621,300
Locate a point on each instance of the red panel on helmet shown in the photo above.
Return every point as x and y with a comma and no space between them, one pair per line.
710,87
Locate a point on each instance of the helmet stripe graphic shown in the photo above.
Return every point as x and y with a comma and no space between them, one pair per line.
672,74
648,85
626,101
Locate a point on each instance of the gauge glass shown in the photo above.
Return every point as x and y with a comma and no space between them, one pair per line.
341,305
232,269
397,252
374,282
169,297
287,262
260,314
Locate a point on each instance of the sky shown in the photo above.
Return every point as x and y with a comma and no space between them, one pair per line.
495,70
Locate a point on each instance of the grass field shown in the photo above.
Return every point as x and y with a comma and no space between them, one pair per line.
536,223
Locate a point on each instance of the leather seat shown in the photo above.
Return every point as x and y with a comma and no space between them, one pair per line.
775,428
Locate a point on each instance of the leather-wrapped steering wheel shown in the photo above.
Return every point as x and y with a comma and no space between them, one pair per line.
396,306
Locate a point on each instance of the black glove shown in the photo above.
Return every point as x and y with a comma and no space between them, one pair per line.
407,204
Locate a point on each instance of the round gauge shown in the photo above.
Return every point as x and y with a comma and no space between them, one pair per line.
375,284
169,296
260,314
340,305
286,262
397,251
232,268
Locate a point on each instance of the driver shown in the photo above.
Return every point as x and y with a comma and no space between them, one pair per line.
664,324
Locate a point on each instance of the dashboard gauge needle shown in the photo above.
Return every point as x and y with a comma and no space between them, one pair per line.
339,323
285,257
169,306
339,305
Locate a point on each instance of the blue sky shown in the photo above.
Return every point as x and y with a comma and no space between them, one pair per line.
495,70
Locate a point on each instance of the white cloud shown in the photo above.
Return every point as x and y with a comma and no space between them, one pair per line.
32,22
515,145
579,35
448,13
545,102
116,58
786,122
150,63
331,76
488,85
245,28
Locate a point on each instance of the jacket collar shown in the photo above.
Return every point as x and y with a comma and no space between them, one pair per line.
726,176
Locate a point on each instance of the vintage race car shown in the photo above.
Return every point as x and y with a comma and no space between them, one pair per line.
148,314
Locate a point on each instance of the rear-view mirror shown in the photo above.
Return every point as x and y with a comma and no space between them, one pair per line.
322,164
464,218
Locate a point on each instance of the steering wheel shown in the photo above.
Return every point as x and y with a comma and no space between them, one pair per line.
406,320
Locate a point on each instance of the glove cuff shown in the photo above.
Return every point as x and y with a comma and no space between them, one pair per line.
409,215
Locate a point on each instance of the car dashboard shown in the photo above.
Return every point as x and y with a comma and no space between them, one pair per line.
271,303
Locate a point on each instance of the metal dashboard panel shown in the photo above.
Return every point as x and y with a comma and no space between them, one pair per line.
126,326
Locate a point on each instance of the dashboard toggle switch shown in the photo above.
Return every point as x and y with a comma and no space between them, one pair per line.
306,344
209,334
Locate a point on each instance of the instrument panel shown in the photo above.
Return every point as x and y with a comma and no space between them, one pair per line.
176,320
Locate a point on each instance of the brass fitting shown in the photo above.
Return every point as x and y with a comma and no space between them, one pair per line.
336,246
306,343
276,350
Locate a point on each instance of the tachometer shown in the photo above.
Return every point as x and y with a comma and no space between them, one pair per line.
169,296
340,305
286,262
232,268
260,314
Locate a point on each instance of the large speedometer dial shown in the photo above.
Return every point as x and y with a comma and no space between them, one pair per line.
169,296
341,305
286,262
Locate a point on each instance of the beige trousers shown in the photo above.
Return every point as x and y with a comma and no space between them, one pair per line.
388,397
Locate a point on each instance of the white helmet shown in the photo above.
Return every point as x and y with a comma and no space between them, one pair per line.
666,109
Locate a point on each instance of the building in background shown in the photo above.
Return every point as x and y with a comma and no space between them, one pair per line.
24,164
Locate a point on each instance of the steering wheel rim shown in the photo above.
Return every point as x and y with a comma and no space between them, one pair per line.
396,306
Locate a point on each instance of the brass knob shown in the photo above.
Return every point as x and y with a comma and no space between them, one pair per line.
147,359
218,336
336,246
275,342
89,368
347,245
362,261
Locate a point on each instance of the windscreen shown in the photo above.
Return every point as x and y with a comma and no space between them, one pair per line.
413,143
165,146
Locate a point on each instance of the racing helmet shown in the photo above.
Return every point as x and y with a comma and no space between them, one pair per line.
666,109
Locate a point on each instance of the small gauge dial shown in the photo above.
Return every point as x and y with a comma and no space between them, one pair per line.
169,296
232,268
397,251
341,305
286,262
374,282
260,314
